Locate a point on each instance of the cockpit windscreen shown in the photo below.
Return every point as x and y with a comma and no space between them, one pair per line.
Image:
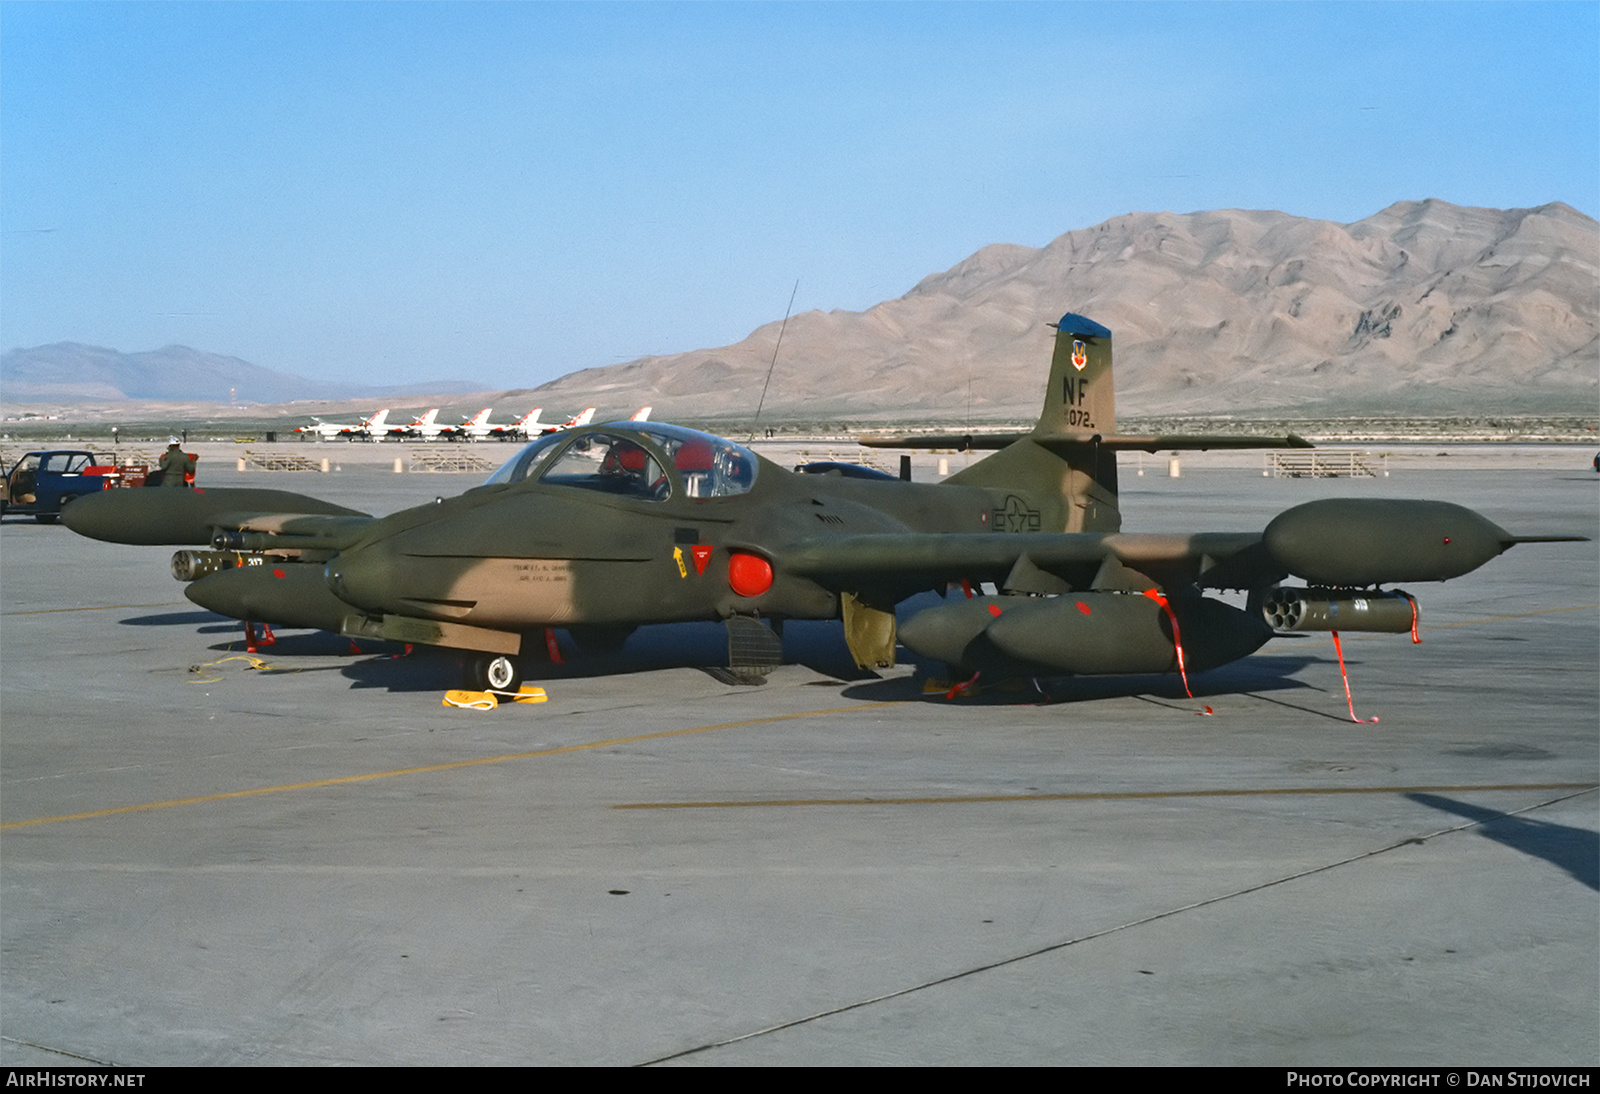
631,458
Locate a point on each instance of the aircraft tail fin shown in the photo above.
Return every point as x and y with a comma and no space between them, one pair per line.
1061,470
1067,465
583,419
1079,402
378,420
643,415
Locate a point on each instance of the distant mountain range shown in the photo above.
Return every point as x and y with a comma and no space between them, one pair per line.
1424,308
70,372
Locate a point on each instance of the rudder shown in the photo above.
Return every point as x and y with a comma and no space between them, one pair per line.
1061,464
1079,401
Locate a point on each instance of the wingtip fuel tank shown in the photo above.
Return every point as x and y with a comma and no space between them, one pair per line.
181,518
1356,542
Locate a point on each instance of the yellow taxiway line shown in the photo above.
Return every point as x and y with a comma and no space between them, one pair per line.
453,765
1125,795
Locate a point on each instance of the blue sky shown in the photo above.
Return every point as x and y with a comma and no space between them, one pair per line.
395,192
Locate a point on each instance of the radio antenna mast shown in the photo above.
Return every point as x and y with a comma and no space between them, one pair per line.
774,364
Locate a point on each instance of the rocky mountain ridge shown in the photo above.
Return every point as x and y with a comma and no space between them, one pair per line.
1423,308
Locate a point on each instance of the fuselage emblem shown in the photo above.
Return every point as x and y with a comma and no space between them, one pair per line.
1016,516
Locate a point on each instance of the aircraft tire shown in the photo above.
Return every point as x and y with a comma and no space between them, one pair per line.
496,673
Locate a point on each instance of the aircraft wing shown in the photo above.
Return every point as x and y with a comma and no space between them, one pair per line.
1083,559
1342,542
184,518
1112,442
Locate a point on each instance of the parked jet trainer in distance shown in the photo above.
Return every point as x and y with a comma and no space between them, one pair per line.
426,428
474,428
326,429
601,529
520,429
363,429
583,418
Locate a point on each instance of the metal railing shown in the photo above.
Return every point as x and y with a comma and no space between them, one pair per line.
1326,464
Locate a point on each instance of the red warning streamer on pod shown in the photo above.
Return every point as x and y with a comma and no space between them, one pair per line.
1177,639
1349,702
1177,644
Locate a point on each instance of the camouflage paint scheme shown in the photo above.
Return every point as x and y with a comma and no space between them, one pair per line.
601,529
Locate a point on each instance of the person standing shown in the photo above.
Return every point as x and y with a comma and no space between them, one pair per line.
177,466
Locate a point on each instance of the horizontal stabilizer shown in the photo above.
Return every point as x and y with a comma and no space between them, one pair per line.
1119,442
961,442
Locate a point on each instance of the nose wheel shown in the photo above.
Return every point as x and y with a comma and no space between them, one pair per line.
487,672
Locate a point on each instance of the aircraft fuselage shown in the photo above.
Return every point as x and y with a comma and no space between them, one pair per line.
526,556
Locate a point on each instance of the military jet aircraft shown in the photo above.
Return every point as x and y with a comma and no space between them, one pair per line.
604,528
577,421
326,429
517,430
364,428
425,428
374,426
474,428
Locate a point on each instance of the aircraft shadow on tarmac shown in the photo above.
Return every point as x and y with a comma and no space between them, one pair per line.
817,645
1575,850
208,622
1251,676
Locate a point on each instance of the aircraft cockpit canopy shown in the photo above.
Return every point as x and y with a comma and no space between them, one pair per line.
632,459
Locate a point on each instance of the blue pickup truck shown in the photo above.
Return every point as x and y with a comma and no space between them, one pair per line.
40,483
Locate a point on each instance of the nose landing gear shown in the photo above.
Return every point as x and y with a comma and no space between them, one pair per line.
491,672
